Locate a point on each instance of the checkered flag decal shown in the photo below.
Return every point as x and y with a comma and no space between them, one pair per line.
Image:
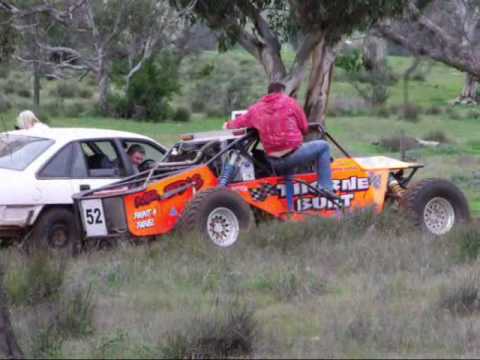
261,193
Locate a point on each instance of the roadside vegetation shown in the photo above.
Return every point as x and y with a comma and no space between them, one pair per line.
366,285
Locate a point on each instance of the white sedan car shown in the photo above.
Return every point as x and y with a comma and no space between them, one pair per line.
40,170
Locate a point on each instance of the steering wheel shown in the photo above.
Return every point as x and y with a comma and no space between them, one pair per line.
147,165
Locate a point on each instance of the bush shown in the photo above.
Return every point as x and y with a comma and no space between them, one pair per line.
468,240
182,114
410,113
65,90
437,135
10,87
463,297
119,106
85,93
153,87
453,114
393,143
72,317
382,112
5,105
226,333
348,107
39,280
74,110
24,93
434,110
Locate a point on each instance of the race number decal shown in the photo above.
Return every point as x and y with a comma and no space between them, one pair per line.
94,218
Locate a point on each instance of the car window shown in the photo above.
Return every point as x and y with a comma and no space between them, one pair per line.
18,151
60,165
102,159
151,152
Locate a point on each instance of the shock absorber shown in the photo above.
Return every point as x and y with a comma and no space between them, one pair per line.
395,188
229,169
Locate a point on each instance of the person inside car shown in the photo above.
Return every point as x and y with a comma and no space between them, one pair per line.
27,120
136,154
282,124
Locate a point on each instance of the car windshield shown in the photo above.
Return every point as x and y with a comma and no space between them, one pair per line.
19,151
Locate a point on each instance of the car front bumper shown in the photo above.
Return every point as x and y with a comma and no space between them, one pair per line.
17,218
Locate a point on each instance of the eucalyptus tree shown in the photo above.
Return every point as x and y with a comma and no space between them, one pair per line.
444,30
261,26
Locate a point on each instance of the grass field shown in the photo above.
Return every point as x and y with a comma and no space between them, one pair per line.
366,287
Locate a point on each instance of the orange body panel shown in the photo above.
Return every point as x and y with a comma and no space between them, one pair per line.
157,210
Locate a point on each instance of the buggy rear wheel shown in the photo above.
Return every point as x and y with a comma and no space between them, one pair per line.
219,215
436,205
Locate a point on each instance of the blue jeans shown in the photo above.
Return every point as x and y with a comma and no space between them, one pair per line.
318,151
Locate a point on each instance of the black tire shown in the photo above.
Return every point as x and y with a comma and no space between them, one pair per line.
423,193
56,230
207,203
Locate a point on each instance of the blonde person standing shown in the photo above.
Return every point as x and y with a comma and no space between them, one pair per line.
28,120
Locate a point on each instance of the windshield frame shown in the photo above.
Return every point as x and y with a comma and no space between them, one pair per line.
31,139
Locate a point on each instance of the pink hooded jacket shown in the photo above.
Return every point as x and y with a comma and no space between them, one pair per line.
280,121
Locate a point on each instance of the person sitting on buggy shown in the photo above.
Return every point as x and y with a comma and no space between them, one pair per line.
282,124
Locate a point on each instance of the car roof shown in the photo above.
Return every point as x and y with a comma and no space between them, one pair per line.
72,134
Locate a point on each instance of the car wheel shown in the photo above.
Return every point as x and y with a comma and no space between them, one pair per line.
56,229
219,215
436,205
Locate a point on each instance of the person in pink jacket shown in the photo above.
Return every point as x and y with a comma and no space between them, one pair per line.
281,124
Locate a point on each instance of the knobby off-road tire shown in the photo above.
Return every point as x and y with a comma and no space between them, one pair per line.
56,230
436,205
218,215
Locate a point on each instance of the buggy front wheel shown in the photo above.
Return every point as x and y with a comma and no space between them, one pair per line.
219,215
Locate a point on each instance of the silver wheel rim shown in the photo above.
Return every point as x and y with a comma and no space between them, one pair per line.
439,216
223,227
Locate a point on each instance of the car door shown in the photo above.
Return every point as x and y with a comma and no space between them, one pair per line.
96,163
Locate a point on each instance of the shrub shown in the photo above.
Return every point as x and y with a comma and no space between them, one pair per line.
71,317
463,297
52,108
382,112
468,240
119,106
226,333
65,90
348,106
453,114
85,93
434,110
153,87
5,104
182,114
24,93
437,135
10,87
394,143
74,109
39,280
4,72
473,114
410,113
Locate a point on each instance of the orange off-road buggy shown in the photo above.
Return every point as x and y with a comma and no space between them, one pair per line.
220,183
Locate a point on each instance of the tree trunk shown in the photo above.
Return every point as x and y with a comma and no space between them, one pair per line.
470,89
323,64
272,63
103,81
8,343
374,50
36,87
